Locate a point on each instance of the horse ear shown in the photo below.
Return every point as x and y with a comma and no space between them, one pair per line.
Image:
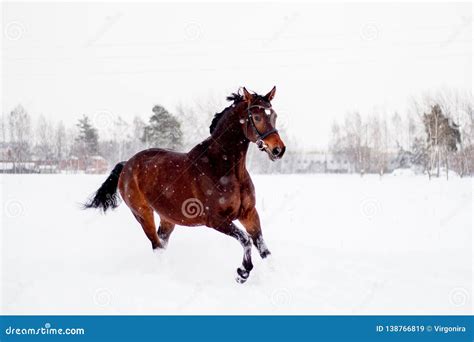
247,95
271,94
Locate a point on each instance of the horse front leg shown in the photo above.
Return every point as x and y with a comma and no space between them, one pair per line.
251,221
232,230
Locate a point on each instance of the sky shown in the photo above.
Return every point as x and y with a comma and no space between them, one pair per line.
63,60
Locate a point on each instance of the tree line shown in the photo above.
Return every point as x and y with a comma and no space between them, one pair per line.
435,136
24,140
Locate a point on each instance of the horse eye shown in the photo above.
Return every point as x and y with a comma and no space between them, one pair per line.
257,117
268,111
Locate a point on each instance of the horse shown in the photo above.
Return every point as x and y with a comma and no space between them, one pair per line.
209,185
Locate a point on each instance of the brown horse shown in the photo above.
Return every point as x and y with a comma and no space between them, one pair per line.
209,185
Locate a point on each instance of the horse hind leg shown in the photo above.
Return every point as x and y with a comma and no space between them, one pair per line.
144,216
164,231
251,222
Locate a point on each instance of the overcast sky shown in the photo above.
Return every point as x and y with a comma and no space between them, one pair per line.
63,60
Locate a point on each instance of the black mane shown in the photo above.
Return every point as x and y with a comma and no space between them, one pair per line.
236,98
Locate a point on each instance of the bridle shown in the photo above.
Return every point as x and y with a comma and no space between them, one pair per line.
260,136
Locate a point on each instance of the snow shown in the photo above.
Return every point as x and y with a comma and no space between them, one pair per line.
403,172
341,244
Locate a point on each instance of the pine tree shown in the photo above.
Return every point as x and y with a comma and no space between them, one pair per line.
163,130
443,136
87,141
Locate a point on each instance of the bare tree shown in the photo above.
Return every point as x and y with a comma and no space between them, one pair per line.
60,142
377,144
20,134
3,127
196,119
44,132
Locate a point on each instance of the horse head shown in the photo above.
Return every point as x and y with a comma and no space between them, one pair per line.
259,123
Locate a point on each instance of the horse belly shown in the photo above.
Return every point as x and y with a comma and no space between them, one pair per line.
175,201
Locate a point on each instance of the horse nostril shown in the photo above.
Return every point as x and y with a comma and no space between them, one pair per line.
276,151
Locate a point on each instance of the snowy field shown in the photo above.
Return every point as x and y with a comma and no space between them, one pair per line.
341,244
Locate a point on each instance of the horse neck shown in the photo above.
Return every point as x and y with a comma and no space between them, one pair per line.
229,143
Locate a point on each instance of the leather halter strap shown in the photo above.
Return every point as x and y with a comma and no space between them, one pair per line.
260,136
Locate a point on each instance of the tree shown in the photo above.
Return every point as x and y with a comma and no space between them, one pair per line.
60,142
87,140
420,154
44,139
354,132
377,145
20,134
163,130
397,130
443,136
138,129
3,128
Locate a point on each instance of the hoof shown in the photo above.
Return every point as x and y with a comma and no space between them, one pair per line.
242,275
265,253
240,280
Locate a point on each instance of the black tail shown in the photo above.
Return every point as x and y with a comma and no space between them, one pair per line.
106,196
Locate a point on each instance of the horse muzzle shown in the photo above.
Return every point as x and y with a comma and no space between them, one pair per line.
273,146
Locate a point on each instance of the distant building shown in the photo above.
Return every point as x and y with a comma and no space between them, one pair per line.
318,162
73,164
95,164
309,162
18,167
337,163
